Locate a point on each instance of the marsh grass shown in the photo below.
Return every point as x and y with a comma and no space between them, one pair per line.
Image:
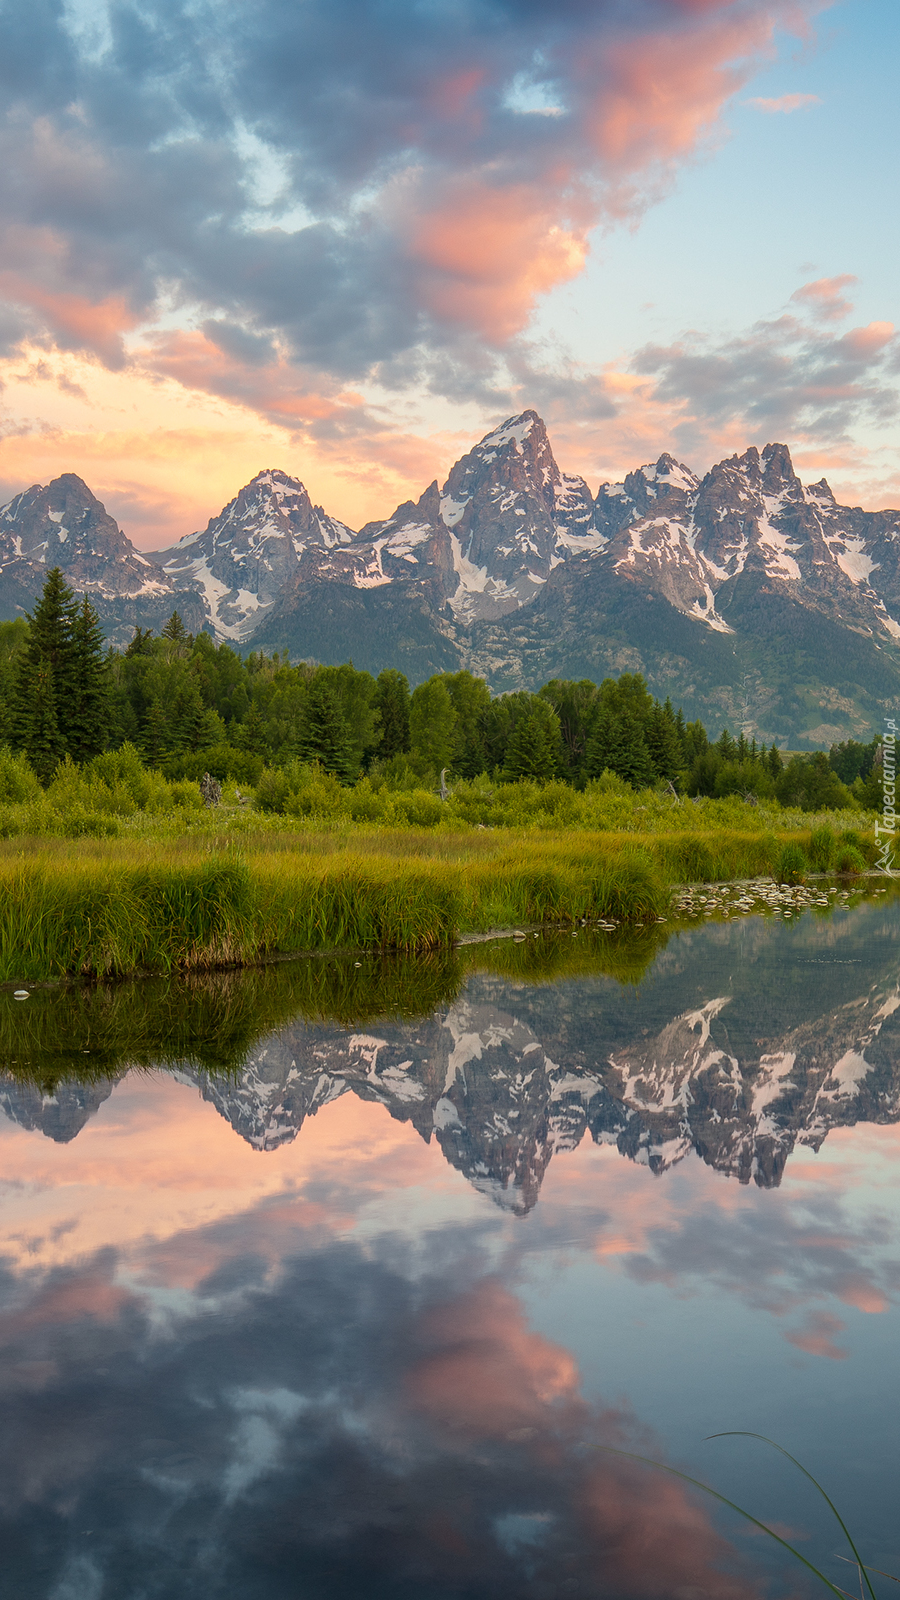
100,908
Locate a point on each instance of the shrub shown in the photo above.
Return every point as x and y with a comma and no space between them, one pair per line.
272,790
17,781
77,824
822,847
792,865
849,861
418,809
186,795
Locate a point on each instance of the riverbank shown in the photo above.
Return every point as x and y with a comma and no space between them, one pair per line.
110,907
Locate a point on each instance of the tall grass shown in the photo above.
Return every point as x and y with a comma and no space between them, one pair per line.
103,907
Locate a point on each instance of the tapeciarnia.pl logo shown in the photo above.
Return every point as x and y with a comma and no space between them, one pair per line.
888,823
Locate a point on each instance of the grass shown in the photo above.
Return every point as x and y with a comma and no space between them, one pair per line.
102,907
863,1569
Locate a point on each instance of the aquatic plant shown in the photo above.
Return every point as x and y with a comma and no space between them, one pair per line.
736,1433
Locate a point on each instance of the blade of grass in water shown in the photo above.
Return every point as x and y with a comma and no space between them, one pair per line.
740,1433
685,1477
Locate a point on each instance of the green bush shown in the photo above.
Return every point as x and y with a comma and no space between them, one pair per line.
17,781
417,809
272,790
822,847
849,861
78,824
792,865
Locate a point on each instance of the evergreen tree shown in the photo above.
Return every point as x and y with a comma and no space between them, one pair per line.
88,720
45,746
141,644
471,699
618,745
250,735
663,743
175,630
154,742
534,747
45,681
326,737
576,705
392,703
773,762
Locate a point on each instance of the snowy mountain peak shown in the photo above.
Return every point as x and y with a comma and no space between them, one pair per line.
62,524
251,551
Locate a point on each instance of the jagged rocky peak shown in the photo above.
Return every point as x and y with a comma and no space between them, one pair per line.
658,489
510,512
247,555
62,524
270,508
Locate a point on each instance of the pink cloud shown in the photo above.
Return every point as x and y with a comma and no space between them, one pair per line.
817,1336
483,255
825,297
74,321
785,103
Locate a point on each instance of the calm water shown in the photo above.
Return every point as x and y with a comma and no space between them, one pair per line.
297,1300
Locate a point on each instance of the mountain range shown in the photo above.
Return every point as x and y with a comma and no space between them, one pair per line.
748,597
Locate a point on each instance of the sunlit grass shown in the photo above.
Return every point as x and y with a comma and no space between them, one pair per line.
93,907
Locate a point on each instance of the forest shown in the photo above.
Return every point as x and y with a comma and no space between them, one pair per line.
187,706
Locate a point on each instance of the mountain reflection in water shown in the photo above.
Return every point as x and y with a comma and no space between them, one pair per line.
746,1040
363,1362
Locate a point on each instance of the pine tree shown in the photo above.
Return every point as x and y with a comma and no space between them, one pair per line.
44,688
618,745
432,723
663,743
250,735
43,745
154,742
392,703
326,735
141,644
175,629
534,748
87,723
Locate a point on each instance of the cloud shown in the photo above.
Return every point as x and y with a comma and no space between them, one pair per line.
355,182
780,379
825,297
817,1336
785,103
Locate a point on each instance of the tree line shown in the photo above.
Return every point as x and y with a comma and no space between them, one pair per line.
189,705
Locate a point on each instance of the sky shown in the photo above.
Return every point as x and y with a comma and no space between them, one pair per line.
347,237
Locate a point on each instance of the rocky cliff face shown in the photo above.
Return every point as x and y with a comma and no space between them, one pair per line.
59,1116
502,1098
65,525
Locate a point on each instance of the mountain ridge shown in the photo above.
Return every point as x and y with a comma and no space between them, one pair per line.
744,594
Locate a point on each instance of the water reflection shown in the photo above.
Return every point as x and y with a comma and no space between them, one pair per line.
354,1433
741,1041
363,1361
